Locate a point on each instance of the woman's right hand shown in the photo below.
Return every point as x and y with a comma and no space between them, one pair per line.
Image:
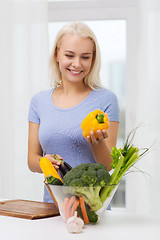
53,160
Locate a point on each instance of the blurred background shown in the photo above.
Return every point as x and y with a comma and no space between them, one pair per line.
128,34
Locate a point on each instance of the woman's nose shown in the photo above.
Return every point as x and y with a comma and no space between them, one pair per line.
76,62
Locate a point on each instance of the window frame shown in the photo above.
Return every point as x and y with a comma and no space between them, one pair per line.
108,10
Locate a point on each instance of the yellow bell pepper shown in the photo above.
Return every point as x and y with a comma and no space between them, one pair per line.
48,168
96,120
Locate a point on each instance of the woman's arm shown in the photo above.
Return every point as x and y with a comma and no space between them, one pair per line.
102,147
35,151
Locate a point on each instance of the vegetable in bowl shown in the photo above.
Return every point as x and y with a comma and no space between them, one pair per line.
87,180
123,159
89,188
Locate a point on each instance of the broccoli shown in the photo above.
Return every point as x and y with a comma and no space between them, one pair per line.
88,180
92,216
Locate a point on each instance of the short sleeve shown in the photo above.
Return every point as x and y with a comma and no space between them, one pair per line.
112,108
33,115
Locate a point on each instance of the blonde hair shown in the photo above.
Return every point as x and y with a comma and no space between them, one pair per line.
81,29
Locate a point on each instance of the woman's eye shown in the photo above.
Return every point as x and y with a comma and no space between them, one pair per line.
68,55
72,56
85,58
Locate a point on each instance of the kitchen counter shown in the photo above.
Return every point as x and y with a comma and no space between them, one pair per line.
116,224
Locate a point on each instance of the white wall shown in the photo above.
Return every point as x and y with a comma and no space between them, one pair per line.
143,193
23,72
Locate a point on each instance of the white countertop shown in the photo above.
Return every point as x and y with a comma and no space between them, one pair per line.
116,224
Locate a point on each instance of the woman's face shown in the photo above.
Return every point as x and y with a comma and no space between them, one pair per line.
75,57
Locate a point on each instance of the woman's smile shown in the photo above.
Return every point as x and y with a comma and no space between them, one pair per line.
74,72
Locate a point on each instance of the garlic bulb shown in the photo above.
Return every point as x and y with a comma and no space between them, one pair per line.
74,224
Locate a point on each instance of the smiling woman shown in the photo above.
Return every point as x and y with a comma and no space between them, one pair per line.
111,35
55,115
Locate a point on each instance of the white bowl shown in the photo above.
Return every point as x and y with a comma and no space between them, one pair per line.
61,194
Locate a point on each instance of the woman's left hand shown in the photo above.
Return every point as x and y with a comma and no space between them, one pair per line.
102,134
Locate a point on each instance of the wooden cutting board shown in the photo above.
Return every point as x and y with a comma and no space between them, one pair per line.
28,209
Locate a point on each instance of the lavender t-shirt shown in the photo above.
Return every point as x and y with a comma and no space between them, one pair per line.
60,129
